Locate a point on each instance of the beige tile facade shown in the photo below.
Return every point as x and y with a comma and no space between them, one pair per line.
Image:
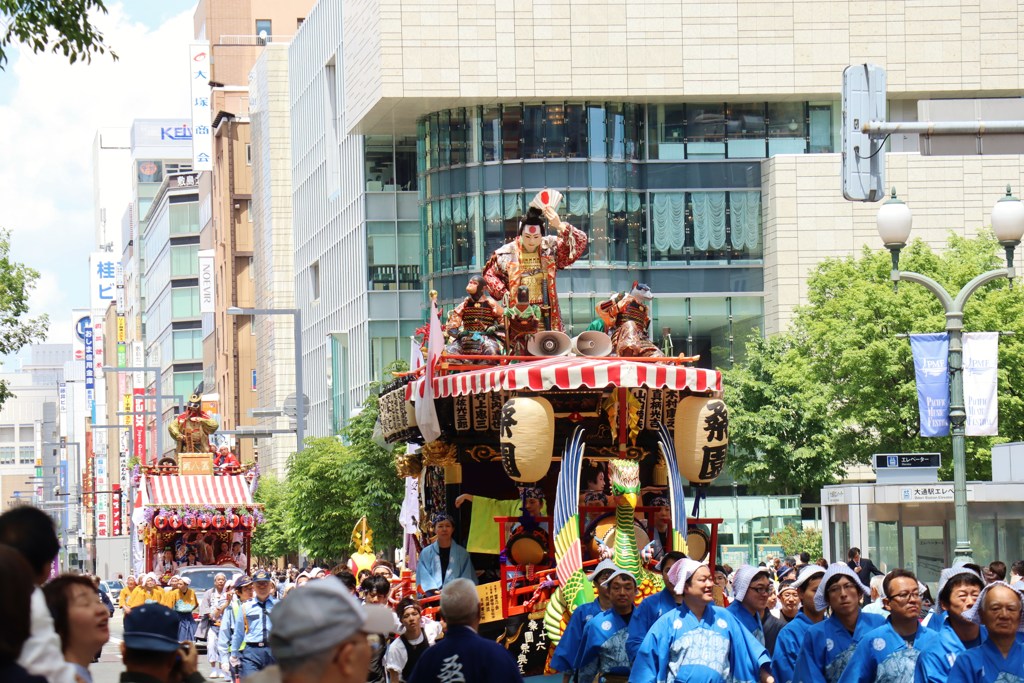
407,57
806,221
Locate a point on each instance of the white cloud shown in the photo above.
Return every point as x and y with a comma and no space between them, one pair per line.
48,123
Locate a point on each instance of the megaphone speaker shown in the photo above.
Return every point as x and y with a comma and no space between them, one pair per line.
592,343
549,343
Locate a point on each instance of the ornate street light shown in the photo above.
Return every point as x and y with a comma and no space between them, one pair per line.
894,222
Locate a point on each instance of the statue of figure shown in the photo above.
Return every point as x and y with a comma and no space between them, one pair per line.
192,428
532,259
473,325
522,320
362,539
630,318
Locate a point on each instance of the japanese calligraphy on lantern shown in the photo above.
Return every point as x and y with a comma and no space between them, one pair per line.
701,438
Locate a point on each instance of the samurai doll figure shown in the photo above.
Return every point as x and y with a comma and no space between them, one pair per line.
533,259
474,326
522,320
629,318
191,429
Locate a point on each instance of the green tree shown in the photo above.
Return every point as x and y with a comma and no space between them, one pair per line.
780,425
320,504
60,26
795,541
334,482
273,539
377,488
16,329
844,345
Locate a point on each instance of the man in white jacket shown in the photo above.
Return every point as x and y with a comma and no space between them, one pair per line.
30,531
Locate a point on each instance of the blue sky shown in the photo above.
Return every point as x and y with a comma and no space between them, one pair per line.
50,111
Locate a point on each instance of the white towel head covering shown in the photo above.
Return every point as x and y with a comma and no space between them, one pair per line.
950,573
974,613
835,569
681,571
742,578
807,572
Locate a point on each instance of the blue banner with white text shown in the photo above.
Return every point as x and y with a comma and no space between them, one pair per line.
931,369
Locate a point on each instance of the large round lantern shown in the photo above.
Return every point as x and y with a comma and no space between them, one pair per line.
527,437
701,438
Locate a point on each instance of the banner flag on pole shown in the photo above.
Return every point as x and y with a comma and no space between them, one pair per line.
931,369
426,415
981,383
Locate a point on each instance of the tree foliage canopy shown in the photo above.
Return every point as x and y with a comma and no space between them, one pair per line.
60,26
16,329
839,385
273,539
333,482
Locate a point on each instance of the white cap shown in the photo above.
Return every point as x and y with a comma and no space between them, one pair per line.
681,571
742,578
835,569
618,572
807,572
602,566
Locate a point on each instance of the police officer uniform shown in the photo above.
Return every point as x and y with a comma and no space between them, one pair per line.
251,643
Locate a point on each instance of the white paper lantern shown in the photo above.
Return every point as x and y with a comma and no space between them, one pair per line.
527,438
701,438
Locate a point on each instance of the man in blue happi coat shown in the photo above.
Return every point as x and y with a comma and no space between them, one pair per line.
653,607
750,589
698,642
888,654
959,588
828,646
790,640
603,650
938,618
444,560
564,657
1000,659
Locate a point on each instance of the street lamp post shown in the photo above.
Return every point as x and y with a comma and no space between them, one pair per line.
297,331
158,397
894,223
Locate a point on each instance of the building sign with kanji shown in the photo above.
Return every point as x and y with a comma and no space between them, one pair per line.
102,280
202,135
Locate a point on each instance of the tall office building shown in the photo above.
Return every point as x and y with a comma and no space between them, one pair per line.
237,32
697,147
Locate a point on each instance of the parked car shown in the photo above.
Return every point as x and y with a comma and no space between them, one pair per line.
202,580
108,599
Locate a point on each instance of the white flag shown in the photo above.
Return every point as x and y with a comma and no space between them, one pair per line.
981,383
426,415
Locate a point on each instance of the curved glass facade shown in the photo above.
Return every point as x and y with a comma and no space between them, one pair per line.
668,194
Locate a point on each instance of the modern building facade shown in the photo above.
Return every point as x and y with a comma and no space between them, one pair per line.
238,31
699,149
273,251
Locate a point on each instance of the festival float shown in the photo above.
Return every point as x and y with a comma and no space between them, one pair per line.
196,499
506,404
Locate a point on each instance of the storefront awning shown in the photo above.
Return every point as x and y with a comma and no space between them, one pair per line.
574,372
199,490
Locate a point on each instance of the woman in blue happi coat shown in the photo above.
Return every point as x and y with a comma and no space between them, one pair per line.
888,654
698,642
444,560
1000,659
828,646
959,588
791,638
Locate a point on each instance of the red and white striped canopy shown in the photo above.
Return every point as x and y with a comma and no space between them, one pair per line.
575,372
199,490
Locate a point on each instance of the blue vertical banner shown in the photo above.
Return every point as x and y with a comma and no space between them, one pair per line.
931,369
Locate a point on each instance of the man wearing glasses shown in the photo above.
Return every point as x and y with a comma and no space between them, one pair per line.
751,587
889,653
829,645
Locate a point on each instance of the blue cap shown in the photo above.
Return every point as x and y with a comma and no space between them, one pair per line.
261,575
152,627
241,582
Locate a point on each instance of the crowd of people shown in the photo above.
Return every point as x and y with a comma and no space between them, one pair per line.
788,620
